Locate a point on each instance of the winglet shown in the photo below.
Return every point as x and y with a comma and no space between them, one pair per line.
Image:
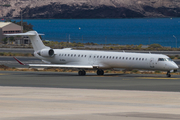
19,61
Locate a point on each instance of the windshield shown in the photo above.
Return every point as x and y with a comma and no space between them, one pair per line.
161,59
169,59
164,59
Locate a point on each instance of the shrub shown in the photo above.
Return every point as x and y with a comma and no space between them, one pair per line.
134,71
155,46
172,57
157,71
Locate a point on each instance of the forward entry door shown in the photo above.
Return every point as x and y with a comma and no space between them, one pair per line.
152,63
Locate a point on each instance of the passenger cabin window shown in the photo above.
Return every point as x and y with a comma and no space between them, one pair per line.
81,55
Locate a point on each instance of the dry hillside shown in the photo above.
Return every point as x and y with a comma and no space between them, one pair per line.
89,8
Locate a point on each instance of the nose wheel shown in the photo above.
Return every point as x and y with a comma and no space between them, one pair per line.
168,74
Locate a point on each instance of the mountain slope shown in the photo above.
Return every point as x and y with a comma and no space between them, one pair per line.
89,8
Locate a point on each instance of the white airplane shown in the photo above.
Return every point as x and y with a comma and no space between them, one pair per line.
87,59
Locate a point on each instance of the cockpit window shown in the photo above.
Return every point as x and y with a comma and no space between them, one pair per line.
161,59
168,59
164,59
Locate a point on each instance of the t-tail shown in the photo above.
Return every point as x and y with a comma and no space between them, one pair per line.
37,43
35,39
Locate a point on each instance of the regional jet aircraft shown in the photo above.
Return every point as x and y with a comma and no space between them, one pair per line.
84,59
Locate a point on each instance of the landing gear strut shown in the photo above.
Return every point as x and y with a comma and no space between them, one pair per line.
100,72
168,74
82,73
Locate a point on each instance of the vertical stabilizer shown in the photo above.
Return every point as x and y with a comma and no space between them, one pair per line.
35,39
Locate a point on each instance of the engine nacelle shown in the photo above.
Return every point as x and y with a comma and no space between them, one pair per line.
46,53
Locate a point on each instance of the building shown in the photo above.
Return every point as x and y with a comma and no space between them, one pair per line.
8,28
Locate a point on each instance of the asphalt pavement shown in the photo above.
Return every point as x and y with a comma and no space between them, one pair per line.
143,82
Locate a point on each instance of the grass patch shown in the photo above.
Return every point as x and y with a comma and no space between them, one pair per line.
15,54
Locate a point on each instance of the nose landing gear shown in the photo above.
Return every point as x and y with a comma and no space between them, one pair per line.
168,74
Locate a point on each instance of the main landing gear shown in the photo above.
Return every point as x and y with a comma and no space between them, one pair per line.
168,74
100,72
83,72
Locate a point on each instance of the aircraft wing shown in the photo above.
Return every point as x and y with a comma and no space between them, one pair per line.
57,65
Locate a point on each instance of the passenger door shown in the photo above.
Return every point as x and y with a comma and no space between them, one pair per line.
152,63
92,59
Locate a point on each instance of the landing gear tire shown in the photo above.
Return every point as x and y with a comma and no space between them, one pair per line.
168,74
82,73
100,72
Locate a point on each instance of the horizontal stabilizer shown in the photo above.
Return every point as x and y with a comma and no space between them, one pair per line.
30,33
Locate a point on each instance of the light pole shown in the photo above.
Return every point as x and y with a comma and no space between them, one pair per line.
21,22
176,40
22,41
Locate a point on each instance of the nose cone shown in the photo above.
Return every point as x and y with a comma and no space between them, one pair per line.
174,66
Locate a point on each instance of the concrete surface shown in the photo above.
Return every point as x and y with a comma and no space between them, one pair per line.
33,103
